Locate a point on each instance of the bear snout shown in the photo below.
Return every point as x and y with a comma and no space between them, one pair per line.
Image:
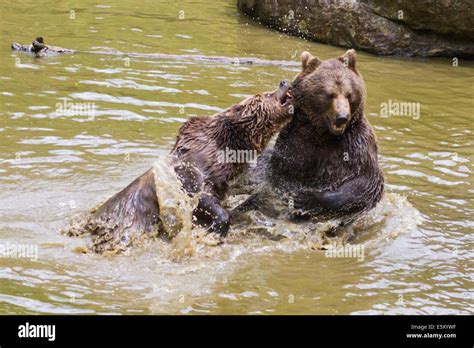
282,94
341,118
284,84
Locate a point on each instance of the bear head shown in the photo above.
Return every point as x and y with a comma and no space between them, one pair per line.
275,106
330,93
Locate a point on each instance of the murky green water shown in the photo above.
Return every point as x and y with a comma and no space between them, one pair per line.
418,242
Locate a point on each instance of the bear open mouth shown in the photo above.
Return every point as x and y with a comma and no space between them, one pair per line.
286,98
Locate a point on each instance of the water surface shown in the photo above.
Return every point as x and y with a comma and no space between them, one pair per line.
418,241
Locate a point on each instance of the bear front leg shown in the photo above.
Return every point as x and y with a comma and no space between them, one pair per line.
359,194
210,214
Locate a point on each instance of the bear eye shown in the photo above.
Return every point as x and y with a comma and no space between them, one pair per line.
349,95
332,95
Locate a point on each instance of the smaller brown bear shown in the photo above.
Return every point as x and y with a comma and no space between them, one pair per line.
200,162
208,151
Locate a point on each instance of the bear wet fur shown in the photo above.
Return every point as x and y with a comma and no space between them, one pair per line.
130,213
198,163
39,48
325,162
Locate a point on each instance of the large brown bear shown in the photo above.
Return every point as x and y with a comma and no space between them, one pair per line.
324,164
200,162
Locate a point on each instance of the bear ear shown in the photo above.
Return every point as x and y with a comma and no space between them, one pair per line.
349,59
309,62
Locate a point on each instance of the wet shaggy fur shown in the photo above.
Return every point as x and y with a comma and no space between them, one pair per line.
325,161
246,126
134,212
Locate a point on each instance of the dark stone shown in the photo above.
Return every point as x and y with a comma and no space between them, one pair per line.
427,28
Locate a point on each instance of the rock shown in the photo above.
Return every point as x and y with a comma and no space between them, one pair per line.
425,28
452,17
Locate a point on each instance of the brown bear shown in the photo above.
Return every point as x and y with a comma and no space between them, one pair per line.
206,153
200,162
324,163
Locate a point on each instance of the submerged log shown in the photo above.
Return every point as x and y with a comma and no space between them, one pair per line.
40,49
153,205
